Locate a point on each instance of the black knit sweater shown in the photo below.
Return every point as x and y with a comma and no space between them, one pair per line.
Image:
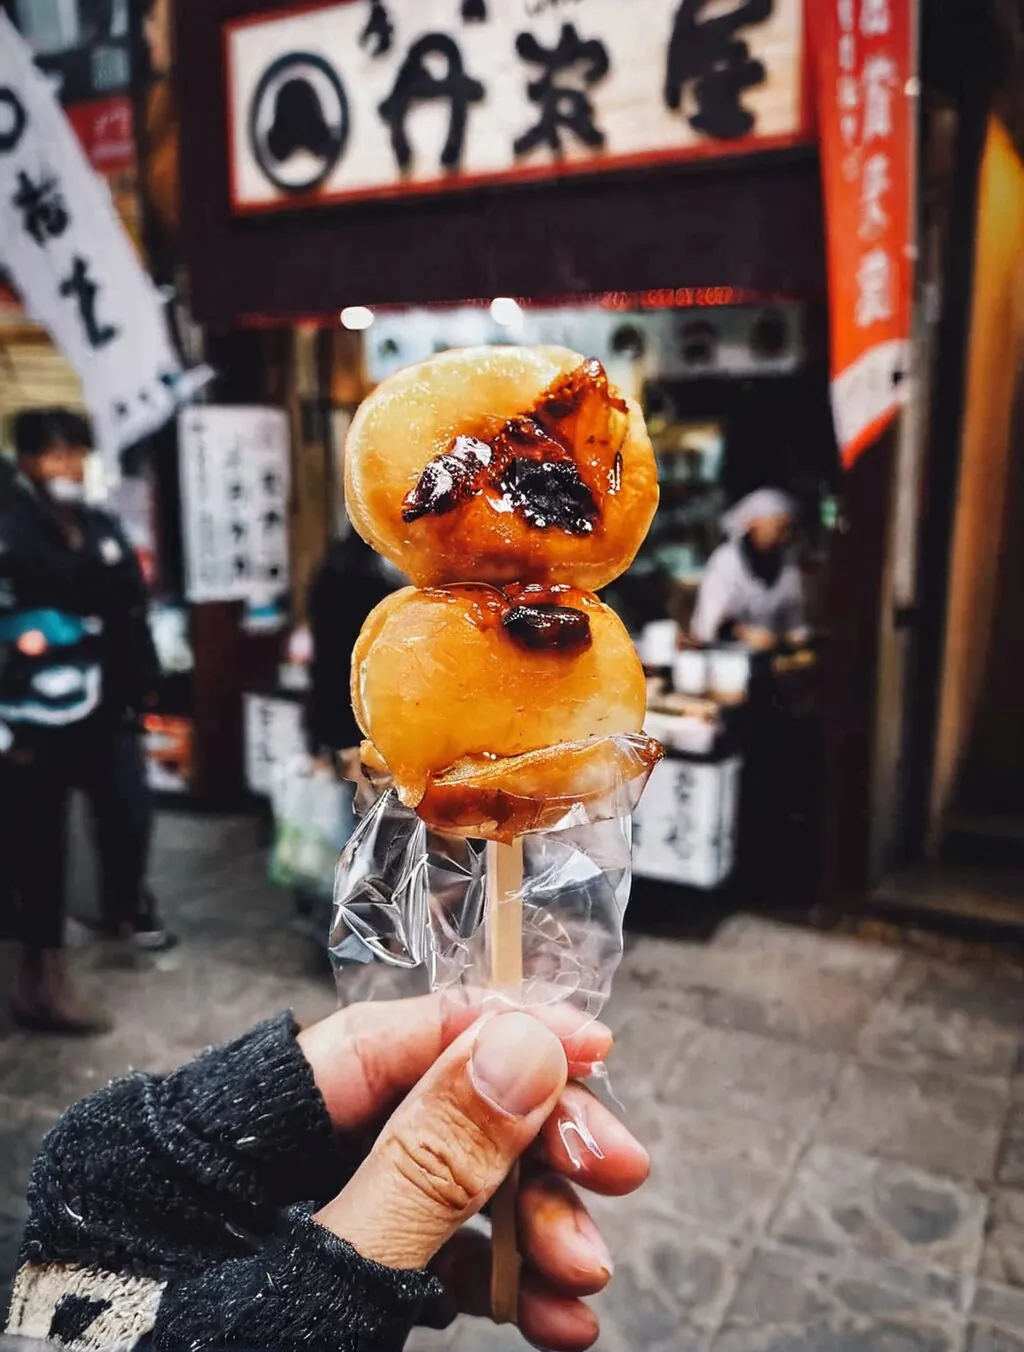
178,1209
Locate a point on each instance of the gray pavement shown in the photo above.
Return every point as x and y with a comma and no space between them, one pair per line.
837,1127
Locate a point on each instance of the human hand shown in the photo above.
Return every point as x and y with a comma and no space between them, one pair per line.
482,1093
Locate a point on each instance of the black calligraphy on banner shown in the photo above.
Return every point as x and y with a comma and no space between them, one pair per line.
44,212
563,107
474,11
416,83
706,52
13,120
80,287
379,34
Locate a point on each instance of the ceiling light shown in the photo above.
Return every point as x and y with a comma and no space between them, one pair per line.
356,317
506,312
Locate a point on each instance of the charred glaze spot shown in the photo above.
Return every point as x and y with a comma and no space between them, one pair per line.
549,628
550,493
532,460
448,479
564,398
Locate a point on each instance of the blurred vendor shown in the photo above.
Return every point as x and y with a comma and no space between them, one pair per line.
752,591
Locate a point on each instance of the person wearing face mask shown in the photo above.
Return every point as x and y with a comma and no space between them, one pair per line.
80,667
752,591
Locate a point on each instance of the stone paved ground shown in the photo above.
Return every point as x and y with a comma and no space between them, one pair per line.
837,1127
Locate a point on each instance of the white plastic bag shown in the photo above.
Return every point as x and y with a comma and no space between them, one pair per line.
313,820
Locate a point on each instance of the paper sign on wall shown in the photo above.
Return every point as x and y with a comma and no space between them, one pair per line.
235,487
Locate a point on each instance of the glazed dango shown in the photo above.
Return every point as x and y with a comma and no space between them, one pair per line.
502,465
495,710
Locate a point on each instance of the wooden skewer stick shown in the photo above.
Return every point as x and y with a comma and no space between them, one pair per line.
505,946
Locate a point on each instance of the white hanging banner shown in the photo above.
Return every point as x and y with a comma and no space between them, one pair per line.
235,486
74,266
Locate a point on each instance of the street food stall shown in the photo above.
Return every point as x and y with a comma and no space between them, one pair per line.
647,193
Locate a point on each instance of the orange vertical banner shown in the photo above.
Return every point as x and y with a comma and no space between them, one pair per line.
864,59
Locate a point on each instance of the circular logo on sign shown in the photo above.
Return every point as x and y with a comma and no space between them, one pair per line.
298,122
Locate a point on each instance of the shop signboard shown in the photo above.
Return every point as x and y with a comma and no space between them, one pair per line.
106,131
235,486
375,98
865,72
169,745
74,267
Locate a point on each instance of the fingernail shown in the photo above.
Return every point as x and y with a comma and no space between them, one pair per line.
595,1242
578,1127
517,1063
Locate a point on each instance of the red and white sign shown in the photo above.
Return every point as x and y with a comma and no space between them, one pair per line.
864,54
106,129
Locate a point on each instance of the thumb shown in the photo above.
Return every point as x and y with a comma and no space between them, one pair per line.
453,1140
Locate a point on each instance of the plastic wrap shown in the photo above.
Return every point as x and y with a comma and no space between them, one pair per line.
411,905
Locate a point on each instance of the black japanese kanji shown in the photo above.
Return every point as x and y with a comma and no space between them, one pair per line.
474,11
271,482
416,83
379,30
707,52
239,531
44,213
562,107
12,126
84,290
272,520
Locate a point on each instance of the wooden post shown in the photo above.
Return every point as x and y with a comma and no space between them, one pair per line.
505,947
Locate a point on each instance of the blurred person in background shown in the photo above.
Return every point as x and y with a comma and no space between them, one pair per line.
752,591
8,474
348,584
80,669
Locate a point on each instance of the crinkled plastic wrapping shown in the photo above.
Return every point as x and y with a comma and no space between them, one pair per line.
411,905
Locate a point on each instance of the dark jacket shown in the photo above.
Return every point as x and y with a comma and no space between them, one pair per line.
346,587
174,1211
88,603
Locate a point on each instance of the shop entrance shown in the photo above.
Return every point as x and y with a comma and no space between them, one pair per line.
967,769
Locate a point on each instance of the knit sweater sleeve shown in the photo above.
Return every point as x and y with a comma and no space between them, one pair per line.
193,1181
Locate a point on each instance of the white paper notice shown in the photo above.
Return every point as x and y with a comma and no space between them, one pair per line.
235,486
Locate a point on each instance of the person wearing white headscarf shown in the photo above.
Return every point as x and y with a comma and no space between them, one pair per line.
752,591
